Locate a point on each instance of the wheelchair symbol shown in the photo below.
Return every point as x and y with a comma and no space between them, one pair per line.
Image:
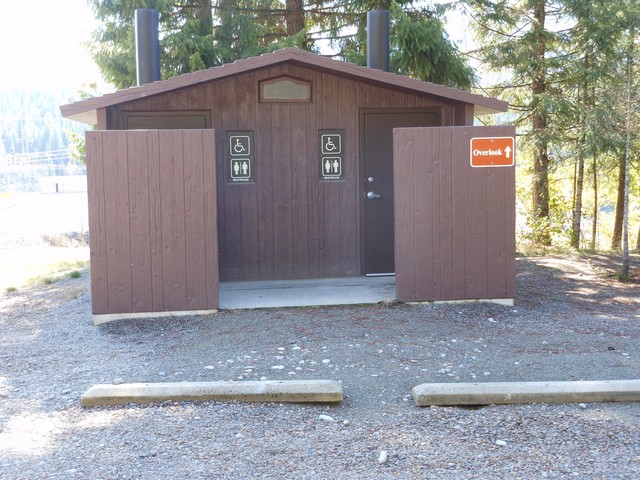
239,145
331,144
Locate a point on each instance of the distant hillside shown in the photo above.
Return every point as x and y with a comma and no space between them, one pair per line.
34,141
30,122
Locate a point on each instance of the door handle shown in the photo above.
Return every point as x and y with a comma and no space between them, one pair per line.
372,195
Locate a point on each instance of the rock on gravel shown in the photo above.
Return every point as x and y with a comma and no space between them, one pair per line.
327,418
569,324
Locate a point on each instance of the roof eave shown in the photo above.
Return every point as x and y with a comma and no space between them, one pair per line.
85,110
488,110
89,117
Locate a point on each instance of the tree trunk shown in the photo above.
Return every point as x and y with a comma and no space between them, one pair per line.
539,124
577,211
627,152
638,240
573,193
594,227
204,13
616,240
294,16
625,213
576,230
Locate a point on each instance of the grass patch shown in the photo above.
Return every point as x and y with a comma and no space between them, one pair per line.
37,265
58,271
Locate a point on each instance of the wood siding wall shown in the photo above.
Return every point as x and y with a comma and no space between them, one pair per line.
454,224
152,218
288,224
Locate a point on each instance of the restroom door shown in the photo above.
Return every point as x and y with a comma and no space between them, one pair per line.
378,183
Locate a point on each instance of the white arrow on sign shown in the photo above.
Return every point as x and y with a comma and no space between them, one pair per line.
508,152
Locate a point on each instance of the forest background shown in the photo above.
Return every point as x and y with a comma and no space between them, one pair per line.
569,68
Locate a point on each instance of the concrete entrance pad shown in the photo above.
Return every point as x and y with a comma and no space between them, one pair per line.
444,394
304,293
290,391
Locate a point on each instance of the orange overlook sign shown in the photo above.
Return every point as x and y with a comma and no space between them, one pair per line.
492,152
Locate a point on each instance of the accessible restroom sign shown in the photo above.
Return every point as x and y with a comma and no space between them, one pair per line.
240,156
492,152
331,144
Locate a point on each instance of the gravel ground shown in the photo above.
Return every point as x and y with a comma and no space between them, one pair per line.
571,322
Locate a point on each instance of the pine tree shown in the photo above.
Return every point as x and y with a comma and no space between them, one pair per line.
198,34
631,110
517,38
590,53
186,37
629,105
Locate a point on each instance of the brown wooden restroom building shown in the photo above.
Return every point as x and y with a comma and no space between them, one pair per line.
285,166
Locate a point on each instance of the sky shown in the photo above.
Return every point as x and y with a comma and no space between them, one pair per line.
42,46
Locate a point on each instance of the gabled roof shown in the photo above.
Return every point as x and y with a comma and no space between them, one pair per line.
85,110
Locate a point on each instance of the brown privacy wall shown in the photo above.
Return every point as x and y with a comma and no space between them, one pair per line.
454,224
152,220
288,224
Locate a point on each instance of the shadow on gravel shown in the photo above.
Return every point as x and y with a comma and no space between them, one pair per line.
571,281
31,316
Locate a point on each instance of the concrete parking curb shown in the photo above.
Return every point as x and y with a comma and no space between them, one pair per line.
443,394
296,391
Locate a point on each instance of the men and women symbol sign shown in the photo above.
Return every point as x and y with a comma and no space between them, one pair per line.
240,168
331,166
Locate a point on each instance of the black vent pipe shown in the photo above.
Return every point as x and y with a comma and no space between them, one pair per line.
378,39
147,46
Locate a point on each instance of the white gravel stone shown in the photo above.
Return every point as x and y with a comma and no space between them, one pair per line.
501,443
383,457
326,418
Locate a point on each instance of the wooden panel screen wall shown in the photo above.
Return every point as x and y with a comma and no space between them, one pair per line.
454,224
152,220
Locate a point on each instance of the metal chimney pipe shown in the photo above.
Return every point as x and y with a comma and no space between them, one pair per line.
147,46
378,39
